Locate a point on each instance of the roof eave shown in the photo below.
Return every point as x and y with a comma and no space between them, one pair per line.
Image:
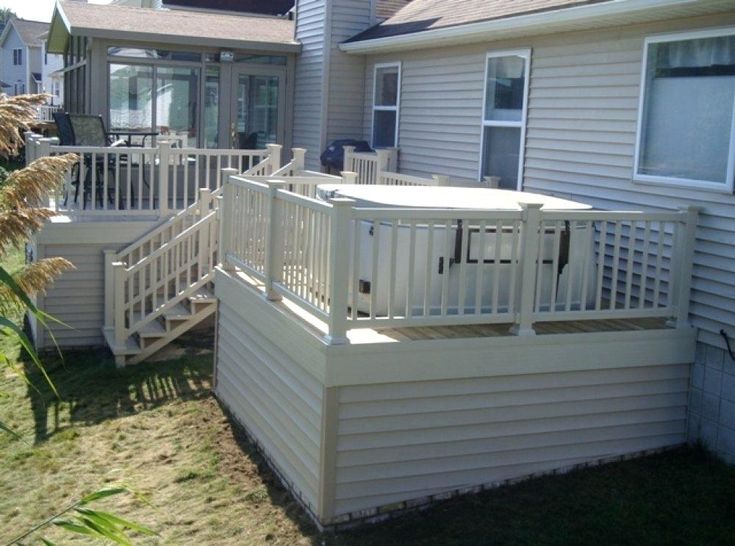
533,23
277,47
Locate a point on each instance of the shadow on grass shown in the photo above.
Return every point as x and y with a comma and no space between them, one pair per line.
92,390
277,493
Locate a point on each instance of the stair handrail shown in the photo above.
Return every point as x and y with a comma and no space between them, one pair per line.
174,222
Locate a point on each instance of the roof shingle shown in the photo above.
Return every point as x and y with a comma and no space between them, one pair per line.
30,31
421,15
176,25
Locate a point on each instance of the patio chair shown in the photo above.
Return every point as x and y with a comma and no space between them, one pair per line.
247,141
89,130
65,132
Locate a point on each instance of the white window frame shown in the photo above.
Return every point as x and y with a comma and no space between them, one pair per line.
526,55
18,55
383,108
727,187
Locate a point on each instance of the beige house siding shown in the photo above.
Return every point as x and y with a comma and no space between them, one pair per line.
271,389
580,141
346,89
307,126
415,439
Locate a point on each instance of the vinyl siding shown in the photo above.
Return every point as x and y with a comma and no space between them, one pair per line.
580,140
415,439
270,390
308,91
77,298
346,72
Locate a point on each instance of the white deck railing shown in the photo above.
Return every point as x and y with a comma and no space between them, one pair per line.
370,166
46,112
143,181
169,263
362,267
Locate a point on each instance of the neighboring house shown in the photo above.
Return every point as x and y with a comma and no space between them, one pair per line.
52,73
21,59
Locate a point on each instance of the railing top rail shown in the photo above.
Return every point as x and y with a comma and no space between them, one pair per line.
302,200
368,213
248,183
102,149
282,179
219,151
591,215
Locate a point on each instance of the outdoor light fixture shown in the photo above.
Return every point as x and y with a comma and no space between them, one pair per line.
226,56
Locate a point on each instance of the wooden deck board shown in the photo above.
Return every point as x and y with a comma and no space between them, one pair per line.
501,330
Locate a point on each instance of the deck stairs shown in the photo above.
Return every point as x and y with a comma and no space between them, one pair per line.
161,286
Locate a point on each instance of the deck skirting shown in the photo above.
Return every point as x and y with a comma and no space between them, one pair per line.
356,430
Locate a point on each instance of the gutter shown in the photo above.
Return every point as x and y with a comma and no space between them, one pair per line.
542,22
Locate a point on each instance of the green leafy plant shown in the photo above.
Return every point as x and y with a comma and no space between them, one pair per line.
79,518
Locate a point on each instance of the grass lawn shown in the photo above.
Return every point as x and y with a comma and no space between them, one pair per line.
157,428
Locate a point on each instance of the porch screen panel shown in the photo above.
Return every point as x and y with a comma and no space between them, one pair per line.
687,118
176,103
131,97
211,107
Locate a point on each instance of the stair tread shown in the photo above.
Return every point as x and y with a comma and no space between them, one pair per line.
153,329
130,346
177,312
203,295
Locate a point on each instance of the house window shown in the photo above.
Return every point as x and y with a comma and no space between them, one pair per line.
386,100
17,57
687,116
504,117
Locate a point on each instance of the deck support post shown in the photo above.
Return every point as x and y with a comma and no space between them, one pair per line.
349,177
110,255
530,239
339,251
274,153
118,273
225,225
383,164
348,151
299,160
164,160
274,242
205,198
685,239
30,147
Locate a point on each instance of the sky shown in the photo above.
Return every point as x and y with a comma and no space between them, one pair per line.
36,10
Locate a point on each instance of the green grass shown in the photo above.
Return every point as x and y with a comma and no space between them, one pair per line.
157,428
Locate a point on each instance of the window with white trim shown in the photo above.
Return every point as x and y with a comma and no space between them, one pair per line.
18,56
504,117
686,126
386,100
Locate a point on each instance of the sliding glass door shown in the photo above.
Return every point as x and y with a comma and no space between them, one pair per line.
257,109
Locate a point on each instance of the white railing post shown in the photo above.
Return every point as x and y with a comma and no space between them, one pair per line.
530,241
226,210
382,164
348,151
109,323
274,153
205,198
392,159
29,147
164,160
299,160
348,177
440,180
339,271
682,264
274,242
44,150
118,275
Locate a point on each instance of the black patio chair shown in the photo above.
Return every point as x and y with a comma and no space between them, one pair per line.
65,133
247,141
89,130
